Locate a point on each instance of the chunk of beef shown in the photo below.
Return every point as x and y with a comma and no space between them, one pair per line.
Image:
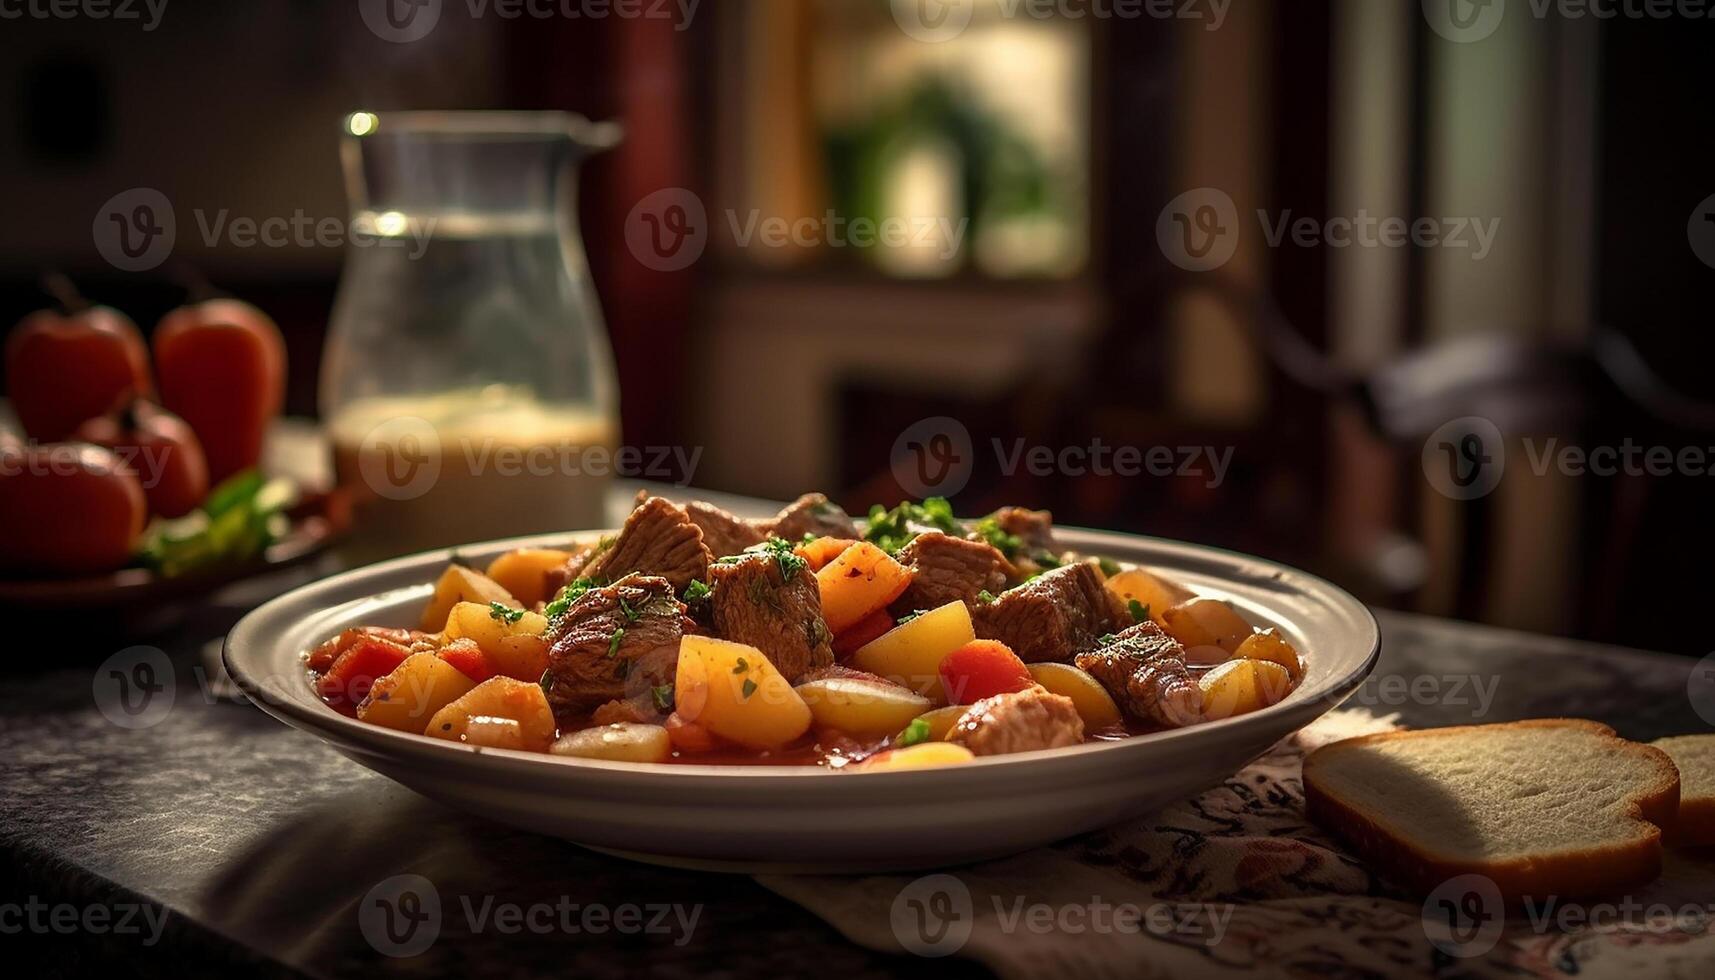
842,673
782,617
1021,722
658,539
723,533
1144,669
950,569
615,643
558,578
1054,616
1033,528
812,514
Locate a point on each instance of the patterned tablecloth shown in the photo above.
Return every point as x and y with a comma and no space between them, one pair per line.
1236,883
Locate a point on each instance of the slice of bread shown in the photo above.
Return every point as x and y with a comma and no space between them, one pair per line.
1556,807
1695,757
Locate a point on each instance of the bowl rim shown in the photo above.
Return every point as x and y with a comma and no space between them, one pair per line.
247,645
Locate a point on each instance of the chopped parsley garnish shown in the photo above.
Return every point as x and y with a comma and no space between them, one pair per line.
630,613
613,641
663,694
891,530
568,595
697,592
1109,567
1106,640
1046,559
1139,611
789,561
749,687
504,614
985,597
917,731
908,617
990,530
741,666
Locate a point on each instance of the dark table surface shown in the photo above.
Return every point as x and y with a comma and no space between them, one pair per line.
221,840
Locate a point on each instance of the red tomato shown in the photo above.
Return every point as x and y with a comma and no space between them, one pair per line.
322,657
62,369
981,669
688,736
358,668
161,449
68,510
222,367
469,659
866,629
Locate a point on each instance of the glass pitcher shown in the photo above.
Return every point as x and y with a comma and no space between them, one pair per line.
468,386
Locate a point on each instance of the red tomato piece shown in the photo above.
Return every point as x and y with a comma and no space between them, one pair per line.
868,628
688,736
469,659
981,669
361,665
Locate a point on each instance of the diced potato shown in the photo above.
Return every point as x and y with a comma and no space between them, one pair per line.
524,573
1271,646
861,708
514,642
1155,592
1242,686
1095,705
912,654
732,690
928,755
942,720
619,742
861,580
460,584
419,687
494,733
1205,622
498,697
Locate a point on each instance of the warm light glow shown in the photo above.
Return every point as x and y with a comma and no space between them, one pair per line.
361,123
390,223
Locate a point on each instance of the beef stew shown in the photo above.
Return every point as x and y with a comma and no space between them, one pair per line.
914,639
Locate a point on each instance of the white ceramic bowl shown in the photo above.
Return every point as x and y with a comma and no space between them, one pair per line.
800,818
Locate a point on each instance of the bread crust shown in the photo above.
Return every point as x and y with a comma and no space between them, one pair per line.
1654,805
1695,824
